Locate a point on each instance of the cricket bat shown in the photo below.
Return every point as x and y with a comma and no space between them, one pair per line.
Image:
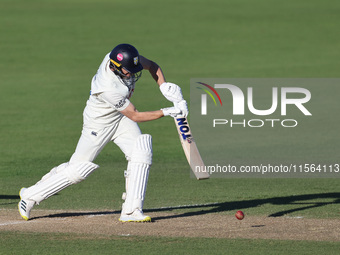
190,149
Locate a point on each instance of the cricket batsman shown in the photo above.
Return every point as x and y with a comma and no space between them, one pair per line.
109,116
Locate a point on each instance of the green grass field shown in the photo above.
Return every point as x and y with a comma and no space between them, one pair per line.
51,49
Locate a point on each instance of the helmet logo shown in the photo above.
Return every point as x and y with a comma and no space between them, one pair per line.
135,60
120,56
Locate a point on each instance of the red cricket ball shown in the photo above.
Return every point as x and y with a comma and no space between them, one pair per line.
239,215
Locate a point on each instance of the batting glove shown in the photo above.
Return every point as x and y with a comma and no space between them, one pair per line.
171,111
171,91
182,105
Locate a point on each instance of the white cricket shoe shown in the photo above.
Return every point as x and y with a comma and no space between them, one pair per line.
25,206
136,216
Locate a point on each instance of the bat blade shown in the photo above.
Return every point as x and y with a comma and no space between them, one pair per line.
190,149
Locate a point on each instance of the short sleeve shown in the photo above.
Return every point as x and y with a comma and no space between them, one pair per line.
115,100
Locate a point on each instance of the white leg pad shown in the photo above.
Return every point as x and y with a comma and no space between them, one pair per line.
138,173
54,170
137,187
78,172
58,179
142,150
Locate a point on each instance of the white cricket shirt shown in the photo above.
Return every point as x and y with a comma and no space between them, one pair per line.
108,96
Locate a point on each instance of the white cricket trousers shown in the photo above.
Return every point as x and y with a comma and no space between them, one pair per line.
93,140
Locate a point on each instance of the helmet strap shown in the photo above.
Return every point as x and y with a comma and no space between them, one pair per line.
122,77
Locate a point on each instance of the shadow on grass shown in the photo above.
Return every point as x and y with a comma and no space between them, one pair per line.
9,197
76,214
302,202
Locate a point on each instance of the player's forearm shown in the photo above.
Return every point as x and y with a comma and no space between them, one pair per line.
158,75
131,112
146,116
154,69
